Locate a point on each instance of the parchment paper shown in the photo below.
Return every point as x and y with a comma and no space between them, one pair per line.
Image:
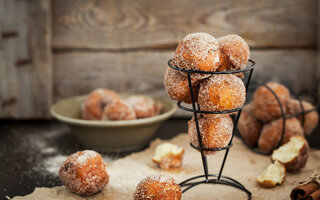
242,165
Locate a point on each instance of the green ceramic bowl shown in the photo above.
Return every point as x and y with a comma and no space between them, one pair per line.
126,135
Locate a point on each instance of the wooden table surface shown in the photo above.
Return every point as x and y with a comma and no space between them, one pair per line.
29,150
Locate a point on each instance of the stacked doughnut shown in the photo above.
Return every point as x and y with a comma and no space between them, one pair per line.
105,104
261,121
212,92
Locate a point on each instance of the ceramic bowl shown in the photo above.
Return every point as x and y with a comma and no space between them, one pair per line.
126,135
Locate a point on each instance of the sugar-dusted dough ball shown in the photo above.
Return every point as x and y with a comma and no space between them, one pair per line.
271,133
249,126
265,104
311,119
198,51
158,187
84,173
221,92
144,106
118,110
177,86
215,132
95,102
235,52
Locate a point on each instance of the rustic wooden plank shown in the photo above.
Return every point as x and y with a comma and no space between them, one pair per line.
78,73
26,60
112,24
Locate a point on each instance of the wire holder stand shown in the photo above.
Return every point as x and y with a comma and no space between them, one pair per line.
285,117
214,178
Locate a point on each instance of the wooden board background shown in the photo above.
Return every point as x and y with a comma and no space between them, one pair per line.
25,59
125,45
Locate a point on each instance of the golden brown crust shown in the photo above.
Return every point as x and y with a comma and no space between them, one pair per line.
118,110
299,160
271,133
159,187
143,106
265,104
84,173
215,132
236,50
198,51
94,104
221,92
170,161
177,86
311,119
249,126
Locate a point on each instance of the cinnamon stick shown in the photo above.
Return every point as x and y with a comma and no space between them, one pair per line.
314,196
303,191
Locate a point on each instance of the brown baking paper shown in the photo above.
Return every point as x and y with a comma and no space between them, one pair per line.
242,165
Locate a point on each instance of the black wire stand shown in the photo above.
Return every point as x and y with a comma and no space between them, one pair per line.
213,178
285,117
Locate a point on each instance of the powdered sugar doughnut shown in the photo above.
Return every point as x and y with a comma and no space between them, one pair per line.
160,187
265,104
93,105
221,92
249,126
215,132
177,86
235,52
84,173
271,133
144,106
198,51
118,110
311,119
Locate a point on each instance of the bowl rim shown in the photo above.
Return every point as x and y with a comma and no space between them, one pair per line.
122,123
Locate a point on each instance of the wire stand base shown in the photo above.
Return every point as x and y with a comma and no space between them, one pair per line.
220,179
224,180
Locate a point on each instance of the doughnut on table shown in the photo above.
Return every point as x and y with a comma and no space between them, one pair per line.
242,164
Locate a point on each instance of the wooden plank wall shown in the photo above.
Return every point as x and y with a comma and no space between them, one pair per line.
124,45
25,59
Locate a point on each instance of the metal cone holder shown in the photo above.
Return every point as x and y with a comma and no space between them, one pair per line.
207,178
285,117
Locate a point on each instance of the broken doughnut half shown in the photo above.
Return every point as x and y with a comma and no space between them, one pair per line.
168,156
294,154
273,175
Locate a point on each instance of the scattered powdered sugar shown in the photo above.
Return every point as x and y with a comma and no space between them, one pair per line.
52,164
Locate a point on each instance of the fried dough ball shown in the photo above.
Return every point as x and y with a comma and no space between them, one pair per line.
311,119
273,175
265,104
271,133
84,173
215,132
235,52
294,154
118,110
93,105
144,106
160,187
198,51
249,126
177,86
221,92
168,156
